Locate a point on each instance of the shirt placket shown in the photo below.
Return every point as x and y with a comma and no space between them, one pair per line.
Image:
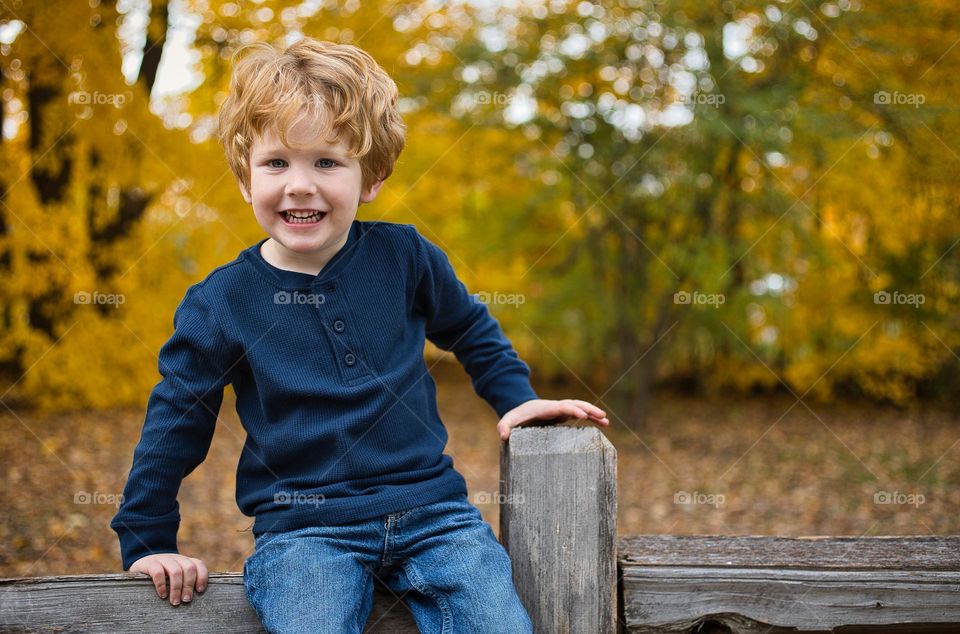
343,334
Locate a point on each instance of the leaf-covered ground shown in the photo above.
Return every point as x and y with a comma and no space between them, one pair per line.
702,466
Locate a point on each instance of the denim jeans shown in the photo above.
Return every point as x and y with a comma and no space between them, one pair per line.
442,559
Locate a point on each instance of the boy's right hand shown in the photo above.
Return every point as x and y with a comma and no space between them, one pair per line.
186,573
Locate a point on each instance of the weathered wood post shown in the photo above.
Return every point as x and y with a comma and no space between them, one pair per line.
558,521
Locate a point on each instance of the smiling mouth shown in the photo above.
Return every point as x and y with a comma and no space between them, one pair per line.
302,217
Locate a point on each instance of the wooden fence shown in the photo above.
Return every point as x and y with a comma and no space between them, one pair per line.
558,521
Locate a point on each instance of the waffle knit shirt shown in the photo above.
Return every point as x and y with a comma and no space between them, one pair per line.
331,387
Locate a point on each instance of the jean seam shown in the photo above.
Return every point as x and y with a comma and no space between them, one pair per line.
356,609
389,540
250,591
417,582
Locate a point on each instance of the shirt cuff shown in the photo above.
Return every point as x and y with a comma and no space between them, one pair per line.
147,539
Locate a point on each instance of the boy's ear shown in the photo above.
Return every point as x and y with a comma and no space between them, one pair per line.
244,192
369,195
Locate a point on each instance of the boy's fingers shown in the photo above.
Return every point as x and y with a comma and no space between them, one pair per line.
505,428
593,410
202,574
572,409
176,581
584,410
159,576
566,409
189,578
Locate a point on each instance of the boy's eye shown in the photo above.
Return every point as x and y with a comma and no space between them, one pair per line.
281,163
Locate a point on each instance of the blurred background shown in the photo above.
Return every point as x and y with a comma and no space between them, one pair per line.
731,224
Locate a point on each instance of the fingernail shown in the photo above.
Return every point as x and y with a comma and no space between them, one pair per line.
187,599
163,595
201,588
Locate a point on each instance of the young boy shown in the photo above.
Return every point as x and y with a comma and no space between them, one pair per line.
320,329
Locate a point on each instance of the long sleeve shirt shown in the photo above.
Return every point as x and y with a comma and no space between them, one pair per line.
331,387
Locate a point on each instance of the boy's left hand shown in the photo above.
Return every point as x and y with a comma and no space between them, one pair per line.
553,411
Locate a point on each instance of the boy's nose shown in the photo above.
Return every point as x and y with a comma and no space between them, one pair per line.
300,182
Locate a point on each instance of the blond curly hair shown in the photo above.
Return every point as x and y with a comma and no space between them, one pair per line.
337,86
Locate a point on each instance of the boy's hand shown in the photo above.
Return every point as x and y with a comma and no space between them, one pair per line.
185,573
553,411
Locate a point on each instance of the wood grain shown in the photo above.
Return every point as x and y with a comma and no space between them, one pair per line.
558,521
780,584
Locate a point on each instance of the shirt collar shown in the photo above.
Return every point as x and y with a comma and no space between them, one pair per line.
296,279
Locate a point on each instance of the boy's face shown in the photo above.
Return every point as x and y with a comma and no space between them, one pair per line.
316,180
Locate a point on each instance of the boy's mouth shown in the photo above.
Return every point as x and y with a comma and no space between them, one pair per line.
302,216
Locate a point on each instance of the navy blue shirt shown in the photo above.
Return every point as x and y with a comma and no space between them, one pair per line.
331,387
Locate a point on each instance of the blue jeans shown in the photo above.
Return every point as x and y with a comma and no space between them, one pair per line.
442,559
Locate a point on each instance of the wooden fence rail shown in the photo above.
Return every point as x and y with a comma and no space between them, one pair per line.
773,585
558,521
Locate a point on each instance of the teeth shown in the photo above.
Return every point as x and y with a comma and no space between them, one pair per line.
295,219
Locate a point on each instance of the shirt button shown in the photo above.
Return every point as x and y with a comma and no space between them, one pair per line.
339,325
349,359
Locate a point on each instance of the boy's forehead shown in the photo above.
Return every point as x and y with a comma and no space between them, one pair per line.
299,136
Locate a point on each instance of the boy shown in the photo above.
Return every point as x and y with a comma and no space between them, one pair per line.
320,329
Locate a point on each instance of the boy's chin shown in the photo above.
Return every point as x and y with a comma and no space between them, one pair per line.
306,244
